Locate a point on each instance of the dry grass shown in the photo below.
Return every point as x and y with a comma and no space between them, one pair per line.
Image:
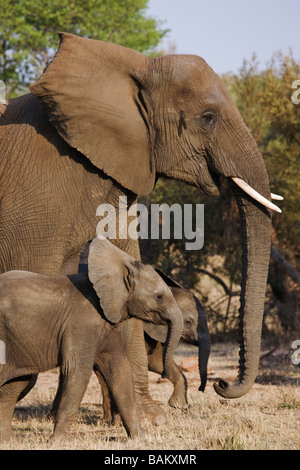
267,418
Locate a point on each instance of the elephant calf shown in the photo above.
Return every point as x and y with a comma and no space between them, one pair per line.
195,331
68,321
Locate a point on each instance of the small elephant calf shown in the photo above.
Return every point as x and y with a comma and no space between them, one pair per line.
195,331
49,321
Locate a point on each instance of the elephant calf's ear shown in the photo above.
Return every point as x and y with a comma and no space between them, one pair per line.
107,270
92,100
157,332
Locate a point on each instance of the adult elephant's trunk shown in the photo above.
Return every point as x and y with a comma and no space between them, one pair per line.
175,328
256,240
203,345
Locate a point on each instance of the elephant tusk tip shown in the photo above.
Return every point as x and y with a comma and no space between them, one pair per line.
255,195
276,197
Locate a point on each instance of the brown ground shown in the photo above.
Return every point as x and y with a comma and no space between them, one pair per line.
268,417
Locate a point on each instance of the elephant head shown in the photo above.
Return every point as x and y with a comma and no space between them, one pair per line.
128,288
137,118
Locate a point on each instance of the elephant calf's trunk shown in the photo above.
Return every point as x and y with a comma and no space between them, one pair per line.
175,329
203,345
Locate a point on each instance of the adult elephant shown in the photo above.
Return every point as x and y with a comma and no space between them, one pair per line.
104,121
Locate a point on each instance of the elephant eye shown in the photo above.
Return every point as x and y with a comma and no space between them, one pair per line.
159,297
208,118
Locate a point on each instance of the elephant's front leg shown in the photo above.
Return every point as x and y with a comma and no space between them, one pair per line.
132,334
154,349
115,376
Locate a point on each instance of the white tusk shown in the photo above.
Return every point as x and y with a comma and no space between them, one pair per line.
258,197
276,197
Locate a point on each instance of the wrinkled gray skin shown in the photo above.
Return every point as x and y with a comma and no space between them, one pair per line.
104,121
49,321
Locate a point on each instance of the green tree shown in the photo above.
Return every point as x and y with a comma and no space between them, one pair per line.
28,31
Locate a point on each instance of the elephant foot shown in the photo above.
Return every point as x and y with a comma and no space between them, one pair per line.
178,398
112,419
148,413
153,413
178,402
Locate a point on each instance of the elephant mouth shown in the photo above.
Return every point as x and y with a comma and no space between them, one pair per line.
208,182
216,181
214,185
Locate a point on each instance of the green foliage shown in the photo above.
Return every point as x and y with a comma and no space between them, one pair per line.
28,31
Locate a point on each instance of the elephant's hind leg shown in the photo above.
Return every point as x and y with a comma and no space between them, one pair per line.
10,393
109,408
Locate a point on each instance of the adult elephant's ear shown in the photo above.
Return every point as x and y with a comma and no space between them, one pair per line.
92,98
111,271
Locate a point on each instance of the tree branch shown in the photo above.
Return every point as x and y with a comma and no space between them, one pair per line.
285,265
219,281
